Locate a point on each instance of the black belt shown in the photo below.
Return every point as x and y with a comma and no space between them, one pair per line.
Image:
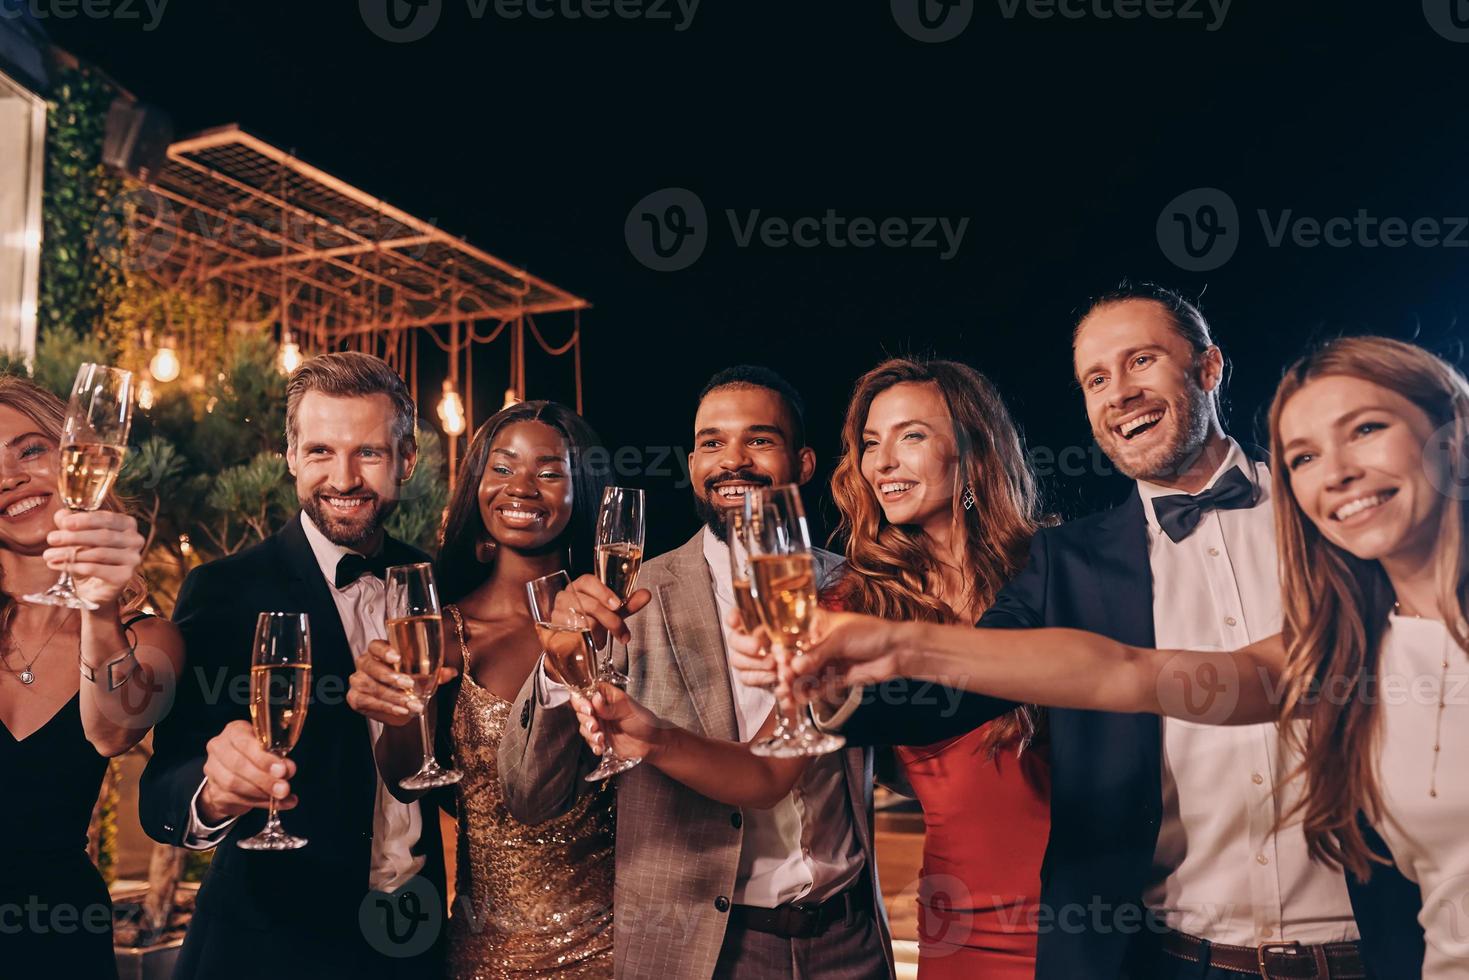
1337,961
803,920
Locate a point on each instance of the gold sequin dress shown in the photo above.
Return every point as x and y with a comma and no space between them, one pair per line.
531,901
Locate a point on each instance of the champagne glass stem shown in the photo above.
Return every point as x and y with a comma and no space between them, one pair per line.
272,822
428,752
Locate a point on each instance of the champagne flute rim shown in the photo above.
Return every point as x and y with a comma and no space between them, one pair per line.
409,566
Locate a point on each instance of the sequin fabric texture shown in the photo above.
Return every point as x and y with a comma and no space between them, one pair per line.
531,901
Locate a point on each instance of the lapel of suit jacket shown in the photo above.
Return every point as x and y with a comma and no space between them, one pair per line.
329,650
691,618
1122,591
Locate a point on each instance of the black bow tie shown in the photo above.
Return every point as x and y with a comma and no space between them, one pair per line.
352,567
1178,514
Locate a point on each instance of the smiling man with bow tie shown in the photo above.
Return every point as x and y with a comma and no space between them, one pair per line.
1164,860
302,913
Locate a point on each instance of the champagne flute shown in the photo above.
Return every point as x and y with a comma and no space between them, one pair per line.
280,691
566,637
94,438
619,554
783,581
416,631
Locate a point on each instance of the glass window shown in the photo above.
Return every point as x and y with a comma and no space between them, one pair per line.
22,144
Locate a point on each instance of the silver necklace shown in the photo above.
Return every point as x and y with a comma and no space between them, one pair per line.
26,675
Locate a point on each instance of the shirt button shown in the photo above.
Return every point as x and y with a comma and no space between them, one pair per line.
1230,621
736,820
1213,552
1257,779
721,903
1261,859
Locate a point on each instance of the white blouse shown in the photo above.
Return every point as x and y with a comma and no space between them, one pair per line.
1428,835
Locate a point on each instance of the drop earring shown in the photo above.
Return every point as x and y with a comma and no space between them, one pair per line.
968,498
484,549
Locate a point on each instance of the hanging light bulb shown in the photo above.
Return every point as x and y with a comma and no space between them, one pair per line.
165,365
290,356
451,410
186,547
511,398
145,395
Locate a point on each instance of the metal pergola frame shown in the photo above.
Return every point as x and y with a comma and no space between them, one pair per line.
293,247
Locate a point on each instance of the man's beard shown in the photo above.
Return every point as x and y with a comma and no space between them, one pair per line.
354,532
1190,417
715,516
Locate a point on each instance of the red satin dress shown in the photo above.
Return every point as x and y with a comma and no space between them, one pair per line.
986,824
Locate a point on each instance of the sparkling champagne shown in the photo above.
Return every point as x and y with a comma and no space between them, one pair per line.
419,641
617,567
572,655
747,604
87,472
785,586
279,694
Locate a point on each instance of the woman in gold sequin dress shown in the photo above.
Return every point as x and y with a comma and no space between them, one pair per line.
531,901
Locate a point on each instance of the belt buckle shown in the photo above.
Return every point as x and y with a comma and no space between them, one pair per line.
1275,949
803,919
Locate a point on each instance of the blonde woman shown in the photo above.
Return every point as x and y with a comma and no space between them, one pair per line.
77,687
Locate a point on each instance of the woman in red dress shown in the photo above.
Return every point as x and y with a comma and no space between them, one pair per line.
938,506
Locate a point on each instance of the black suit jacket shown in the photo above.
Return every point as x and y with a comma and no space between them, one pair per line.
1106,768
292,913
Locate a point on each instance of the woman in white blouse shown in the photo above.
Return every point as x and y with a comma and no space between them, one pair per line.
1370,674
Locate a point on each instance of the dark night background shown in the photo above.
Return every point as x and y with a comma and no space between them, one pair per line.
1061,140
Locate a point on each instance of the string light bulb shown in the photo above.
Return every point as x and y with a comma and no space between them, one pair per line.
165,365
451,410
290,356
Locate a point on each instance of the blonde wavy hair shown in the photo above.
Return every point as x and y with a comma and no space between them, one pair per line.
48,412
1336,605
891,567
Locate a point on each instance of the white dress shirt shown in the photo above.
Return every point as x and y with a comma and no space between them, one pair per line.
396,826
1425,833
802,849
1219,873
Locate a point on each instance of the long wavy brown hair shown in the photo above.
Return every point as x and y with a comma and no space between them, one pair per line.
1336,605
892,567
